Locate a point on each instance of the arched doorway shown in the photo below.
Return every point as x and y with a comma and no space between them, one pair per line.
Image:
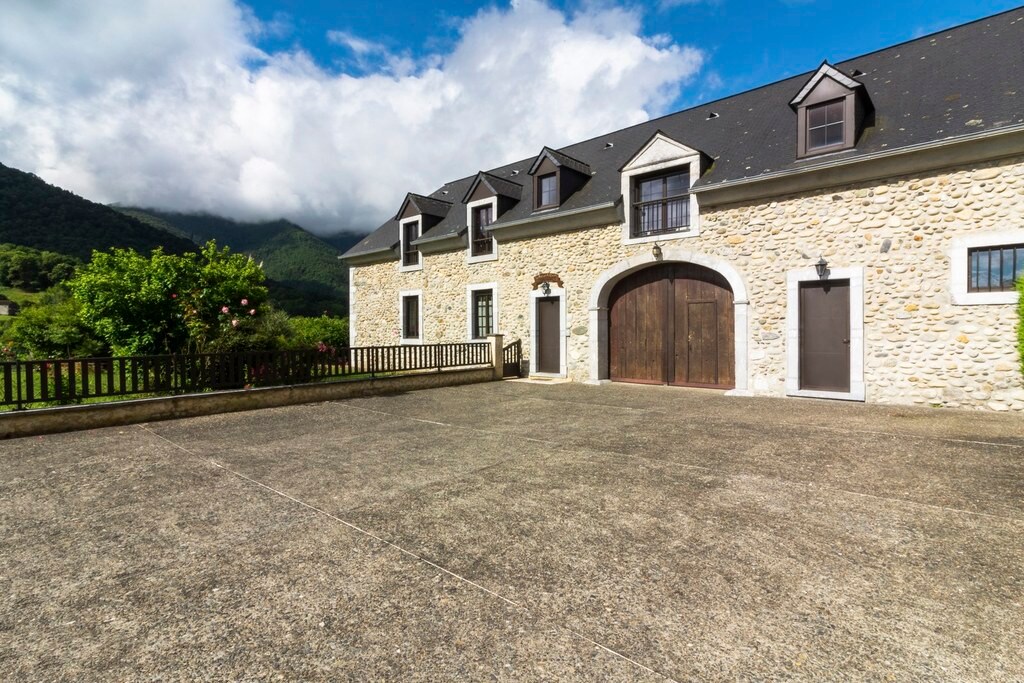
672,323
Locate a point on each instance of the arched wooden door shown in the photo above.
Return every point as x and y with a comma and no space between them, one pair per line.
672,324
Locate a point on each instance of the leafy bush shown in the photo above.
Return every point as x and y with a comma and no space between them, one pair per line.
310,333
269,330
164,303
52,328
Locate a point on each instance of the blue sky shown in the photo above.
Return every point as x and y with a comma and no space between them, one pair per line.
327,113
749,43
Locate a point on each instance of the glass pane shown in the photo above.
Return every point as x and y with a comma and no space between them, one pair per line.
650,190
834,112
995,268
816,138
482,314
834,134
1009,276
678,214
1020,263
650,218
411,324
816,116
547,190
677,184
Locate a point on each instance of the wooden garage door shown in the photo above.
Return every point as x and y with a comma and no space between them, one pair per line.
672,324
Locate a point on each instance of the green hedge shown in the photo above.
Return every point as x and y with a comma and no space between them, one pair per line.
1020,322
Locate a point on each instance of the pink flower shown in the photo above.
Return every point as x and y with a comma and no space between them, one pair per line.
234,323
245,302
224,309
174,296
252,311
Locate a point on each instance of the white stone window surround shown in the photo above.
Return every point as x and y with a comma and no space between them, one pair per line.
351,306
661,153
486,286
493,256
402,294
598,351
959,264
563,331
855,274
401,244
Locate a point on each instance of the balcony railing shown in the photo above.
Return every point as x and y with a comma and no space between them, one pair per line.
661,216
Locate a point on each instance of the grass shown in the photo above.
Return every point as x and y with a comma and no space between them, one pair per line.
20,296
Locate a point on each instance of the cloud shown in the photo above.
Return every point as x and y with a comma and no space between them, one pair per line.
173,105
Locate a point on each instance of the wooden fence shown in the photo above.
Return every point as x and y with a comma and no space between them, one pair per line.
74,380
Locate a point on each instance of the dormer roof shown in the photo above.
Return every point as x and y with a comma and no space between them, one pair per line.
428,206
826,70
499,186
559,159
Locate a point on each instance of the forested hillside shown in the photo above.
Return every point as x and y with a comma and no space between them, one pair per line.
306,277
35,214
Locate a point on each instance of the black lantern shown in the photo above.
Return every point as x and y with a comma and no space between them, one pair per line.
656,251
545,289
821,267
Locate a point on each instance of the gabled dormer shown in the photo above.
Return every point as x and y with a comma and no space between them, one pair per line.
417,215
830,110
487,198
556,176
656,182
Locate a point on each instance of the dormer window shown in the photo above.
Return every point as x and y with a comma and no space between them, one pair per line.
661,204
831,109
825,125
410,254
482,243
547,191
556,177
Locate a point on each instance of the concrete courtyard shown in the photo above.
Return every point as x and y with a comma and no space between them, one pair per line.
513,531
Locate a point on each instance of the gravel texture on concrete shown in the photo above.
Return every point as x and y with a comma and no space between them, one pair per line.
513,531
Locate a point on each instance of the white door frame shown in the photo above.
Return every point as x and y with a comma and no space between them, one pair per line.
793,279
562,331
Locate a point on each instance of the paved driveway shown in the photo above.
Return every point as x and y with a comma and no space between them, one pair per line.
520,532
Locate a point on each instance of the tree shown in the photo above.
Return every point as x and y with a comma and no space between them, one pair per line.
310,333
166,303
52,328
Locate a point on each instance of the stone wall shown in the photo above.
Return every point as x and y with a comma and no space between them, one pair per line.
919,347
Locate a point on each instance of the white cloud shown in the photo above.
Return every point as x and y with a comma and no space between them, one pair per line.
172,105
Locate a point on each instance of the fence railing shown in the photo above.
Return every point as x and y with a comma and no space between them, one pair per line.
512,359
73,380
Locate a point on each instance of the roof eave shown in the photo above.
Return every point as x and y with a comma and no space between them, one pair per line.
369,257
561,221
927,156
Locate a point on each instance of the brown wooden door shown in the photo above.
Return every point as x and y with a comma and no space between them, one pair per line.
549,342
825,335
672,324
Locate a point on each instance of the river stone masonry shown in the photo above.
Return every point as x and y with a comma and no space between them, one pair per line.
920,348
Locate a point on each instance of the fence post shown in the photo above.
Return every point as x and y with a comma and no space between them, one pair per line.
497,355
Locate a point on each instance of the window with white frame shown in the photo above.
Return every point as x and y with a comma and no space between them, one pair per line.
986,267
482,310
410,253
661,204
482,243
411,316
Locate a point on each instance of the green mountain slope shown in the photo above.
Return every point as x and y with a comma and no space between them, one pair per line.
306,276
35,214
344,240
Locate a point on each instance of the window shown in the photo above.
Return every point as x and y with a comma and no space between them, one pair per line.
483,313
482,242
547,190
825,125
995,268
410,254
411,316
661,204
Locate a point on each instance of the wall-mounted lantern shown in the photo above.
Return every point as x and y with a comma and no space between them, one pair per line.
656,251
545,289
821,267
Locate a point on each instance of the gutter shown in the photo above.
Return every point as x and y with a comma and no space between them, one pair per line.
563,221
367,257
981,146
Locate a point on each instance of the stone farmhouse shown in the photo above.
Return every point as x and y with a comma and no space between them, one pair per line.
850,233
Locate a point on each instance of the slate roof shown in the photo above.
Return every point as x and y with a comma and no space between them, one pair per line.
949,84
501,186
562,159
